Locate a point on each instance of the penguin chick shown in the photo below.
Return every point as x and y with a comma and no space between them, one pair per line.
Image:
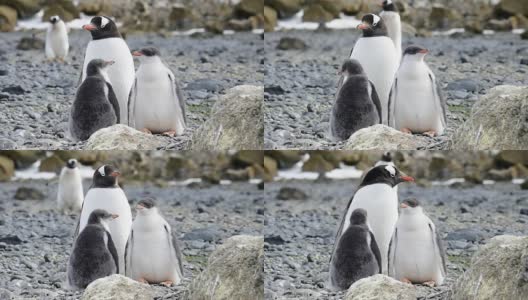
357,254
57,44
156,103
95,104
94,255
416,254
152,252
357,104
70,196
416,101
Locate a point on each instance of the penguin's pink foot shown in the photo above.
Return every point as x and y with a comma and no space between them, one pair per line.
430,283
167,283
406,130
430,133
142,280
405,280
170,133
145,130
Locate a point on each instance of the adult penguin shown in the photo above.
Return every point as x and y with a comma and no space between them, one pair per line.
377,196
377,55
392,20
107,44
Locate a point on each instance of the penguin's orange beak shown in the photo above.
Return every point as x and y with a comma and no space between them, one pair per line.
363,26
114,216
137,53
115,174
89,27
405,177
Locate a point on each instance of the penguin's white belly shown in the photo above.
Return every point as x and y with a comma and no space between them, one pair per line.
152,257
415,106
114,201
155,108
378,58
121,73
381,203
416,257
70,192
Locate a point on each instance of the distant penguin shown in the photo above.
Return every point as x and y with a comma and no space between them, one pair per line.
95,105
107,44
377,55
70,196
152,253
357,104
376,195
57,44
94,254
356,253
156,103
392,19
386,159
106,194
416,254
416,101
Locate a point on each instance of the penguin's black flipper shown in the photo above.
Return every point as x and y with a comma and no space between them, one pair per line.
438,94
392,251
375,250
392,95
376,100
129,242
173,239
179,95
113,251
132,105
113,100
437,243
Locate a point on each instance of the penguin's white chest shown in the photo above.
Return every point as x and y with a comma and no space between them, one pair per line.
57,44
152,256
121,74
380,61
157,108
415,104
70,195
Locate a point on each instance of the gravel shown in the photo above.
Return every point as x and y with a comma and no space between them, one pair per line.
300,86
35,240
299,235
36,96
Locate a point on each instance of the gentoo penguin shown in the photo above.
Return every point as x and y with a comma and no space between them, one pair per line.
152,253
156,103
416,254
57,45
70,196
392,20
386,159
415,97
106,194
357,104
94,254
107,44
376,195
377,55
95,105
356,253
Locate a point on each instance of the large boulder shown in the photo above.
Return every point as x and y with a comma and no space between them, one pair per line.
285,8
270,19
235,123
7,168
250,7
95,7
62,8
381,137
122,137
52,164
8,18
117,287
497,121
235,270
380,287
515,6
24,8
316,13
497,271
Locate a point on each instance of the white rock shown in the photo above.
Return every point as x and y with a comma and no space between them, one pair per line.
381,137
117,287
380,287
122,137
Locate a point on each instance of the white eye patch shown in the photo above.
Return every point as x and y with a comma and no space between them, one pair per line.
375,20
101,171
104,22
390,169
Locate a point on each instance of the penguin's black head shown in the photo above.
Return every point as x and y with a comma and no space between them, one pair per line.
351,67
54,19
148,52
358,217
410,203
100,215
101,28
372,25
71,164
95,66
388,5
386,157
105,176
385,174
413,50
147,203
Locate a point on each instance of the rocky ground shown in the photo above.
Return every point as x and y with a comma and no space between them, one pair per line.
299,234
300,85
36,96
35,240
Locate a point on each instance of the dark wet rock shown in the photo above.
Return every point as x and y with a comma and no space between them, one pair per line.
29,193
10,240
291,43
14,90
30,43
290,193
209,234
469,234
463,85
210,85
